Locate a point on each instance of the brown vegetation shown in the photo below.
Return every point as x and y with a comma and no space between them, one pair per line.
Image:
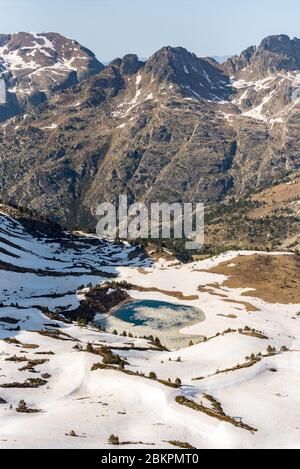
275,279
217,411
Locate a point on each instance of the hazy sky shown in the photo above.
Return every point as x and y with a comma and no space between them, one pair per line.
112,28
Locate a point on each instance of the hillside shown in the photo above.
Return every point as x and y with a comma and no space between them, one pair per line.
66,384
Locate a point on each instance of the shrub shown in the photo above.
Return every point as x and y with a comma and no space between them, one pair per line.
22,407
178,382
89,348
113,440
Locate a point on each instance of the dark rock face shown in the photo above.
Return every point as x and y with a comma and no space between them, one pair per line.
240,62
195,77
175,128
130,64
278,44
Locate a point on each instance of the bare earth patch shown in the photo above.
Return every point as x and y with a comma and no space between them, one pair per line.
175,294
274,279
249,307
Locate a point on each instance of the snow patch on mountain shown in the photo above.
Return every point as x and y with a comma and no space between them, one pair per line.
33,64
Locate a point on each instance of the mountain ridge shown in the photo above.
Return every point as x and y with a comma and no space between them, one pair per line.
175,128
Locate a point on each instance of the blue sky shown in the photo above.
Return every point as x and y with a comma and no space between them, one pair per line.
112,28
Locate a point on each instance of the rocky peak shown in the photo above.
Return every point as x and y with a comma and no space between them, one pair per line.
130,64
33,66
239,62
195,77
274,54
278,44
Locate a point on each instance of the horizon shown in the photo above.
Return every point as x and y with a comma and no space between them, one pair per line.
145,58
114,28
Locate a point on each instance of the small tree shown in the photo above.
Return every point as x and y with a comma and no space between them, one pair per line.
152,375
113,440
158,342
22,407
89,348
178,382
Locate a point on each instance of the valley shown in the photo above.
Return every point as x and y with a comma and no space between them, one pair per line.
235,386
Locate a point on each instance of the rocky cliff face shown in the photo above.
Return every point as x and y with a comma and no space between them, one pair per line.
173,128
34,66
274,54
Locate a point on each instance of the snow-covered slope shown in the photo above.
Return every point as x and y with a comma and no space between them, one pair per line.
224,400
38,266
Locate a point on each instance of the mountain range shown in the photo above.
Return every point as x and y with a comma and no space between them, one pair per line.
173,128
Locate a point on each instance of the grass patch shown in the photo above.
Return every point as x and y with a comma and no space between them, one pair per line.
217,411
17,343
24,409
103,366
56,334
29,383
249,364
180,444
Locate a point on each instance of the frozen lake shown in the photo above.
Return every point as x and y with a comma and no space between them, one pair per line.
158,318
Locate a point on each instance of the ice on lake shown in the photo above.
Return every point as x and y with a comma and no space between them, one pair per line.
157,318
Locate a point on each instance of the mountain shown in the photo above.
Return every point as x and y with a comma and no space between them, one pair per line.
274,54
173,128
193,76
267,78
34,66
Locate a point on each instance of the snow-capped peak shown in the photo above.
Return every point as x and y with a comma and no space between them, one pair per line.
31,62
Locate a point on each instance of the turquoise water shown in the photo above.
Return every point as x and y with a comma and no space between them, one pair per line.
157,314
161,319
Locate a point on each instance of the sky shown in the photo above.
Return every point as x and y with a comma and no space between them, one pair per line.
113,28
